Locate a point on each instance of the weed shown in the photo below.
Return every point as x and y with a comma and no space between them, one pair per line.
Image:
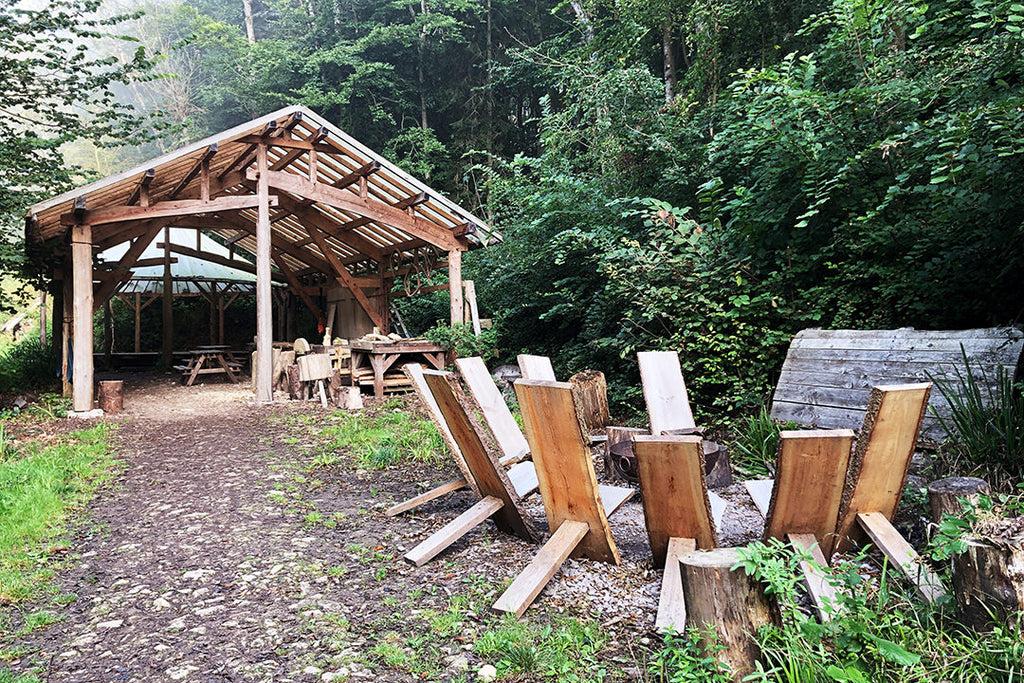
323,461
565,650
684,659
757,443
388,652
386,438
313,518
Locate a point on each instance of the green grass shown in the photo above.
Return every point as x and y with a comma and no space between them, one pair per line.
565,650
40,487
390,436
757,443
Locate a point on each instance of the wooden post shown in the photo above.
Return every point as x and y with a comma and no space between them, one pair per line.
42,319
220,318
67,315
455,285
57,335
81,263
108,334
167,346
944,495
138,322
263,379
728,601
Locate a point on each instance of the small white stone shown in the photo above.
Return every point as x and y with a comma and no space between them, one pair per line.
487,673
68,654
201,630
312,670
160,603
207,611
114,623
178,624
161,647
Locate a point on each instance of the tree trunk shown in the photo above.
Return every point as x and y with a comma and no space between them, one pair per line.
670,61
988,579
590,393
728,601
250,29
110,396
944,495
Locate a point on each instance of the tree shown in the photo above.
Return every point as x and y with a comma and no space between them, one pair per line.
53,90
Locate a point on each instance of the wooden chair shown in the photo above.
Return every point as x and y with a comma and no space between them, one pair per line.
577,508
804,505
523,478
678,511
668,405
876,477
498,498
492,405
536,367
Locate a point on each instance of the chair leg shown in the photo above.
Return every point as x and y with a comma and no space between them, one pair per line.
453,531
426,497
545,563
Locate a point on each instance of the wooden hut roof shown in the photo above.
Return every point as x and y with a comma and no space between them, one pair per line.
374,217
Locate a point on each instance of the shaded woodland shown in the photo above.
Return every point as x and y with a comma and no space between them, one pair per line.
702,176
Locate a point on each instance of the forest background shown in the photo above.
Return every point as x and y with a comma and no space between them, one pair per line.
708,176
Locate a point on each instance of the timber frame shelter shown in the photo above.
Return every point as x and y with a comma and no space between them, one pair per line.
289,188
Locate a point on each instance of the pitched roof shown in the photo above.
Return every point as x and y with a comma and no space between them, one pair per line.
367,241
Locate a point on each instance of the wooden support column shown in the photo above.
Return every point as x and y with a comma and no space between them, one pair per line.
108,334
42,319
81,264
220,319
138,322
167,330
67,317
212,299
455,285
57,333
263,379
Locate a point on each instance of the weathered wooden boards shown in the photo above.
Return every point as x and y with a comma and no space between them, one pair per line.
827,377
572,499
493,407
668,405
677,511
535,367
499,499
880,462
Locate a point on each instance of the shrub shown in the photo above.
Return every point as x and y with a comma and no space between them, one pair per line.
25,366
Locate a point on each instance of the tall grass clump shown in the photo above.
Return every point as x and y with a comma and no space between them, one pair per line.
39,488
386,437
757,443
24,366
985,424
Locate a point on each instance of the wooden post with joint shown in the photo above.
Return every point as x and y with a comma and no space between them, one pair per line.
167,331
82,368
455,286
262,382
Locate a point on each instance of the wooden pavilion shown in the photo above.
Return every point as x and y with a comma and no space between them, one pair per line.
308,202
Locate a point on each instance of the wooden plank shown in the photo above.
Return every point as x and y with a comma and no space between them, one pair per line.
454,530
491,403
671,605
523,476
490,477
674,492
536,367
879,465
170,209
414,372
760,491
531,581
809,483
426,497
568,484
314,366
668,405
822,593
901,554
718,507
474,315
263,378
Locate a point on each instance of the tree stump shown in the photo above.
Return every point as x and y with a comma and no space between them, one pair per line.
617,435
943,495
590,393
730,602
282,359
110,396
988,579
717,469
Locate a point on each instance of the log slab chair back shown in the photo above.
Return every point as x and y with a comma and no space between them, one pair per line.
876,477
804,505
492,405
499,500
668,404
576,507
536,367
678,512
523,478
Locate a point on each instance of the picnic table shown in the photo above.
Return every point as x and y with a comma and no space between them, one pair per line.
380,356
210,360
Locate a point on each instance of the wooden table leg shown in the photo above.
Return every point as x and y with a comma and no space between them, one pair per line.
377,361
222,361
198,362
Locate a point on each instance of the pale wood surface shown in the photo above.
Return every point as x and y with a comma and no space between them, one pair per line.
902,555
718,507
491,403
809,482
568,484
613,497
263,379
728,601
760,491
82,367
454,530
426,497
675,495
880,462
314,366
536,367
545,563
822,593
671,605
455,287
489,475
828,374
523,476
668,404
